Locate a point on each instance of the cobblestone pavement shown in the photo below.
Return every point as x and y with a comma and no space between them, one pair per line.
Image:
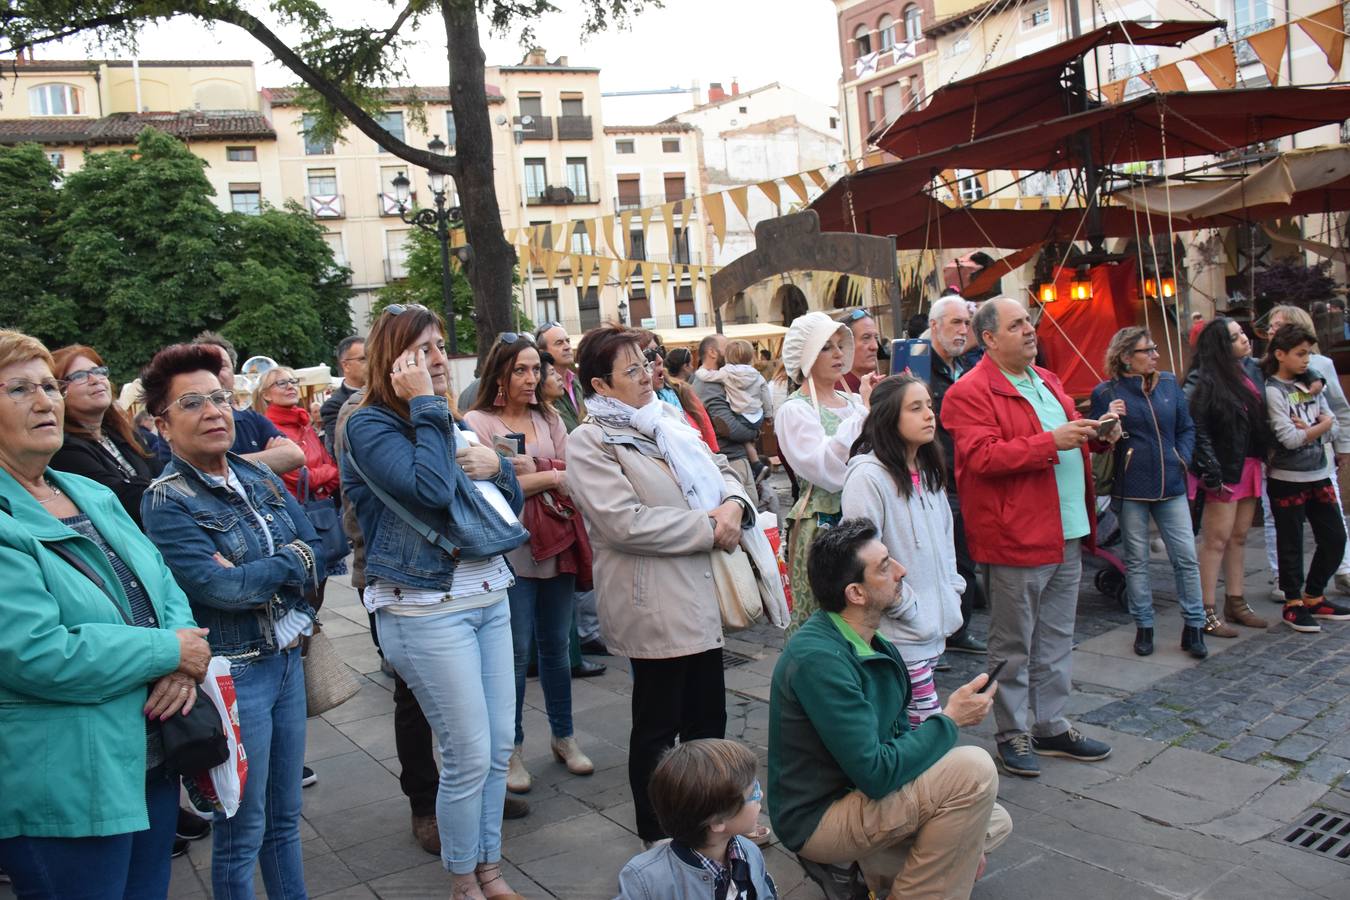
1213,763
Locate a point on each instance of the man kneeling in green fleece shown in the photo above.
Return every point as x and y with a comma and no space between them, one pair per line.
849,781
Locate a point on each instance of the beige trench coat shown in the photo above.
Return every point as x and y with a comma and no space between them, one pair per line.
653,580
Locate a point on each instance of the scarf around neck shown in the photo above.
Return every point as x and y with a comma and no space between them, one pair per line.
293,416
680,445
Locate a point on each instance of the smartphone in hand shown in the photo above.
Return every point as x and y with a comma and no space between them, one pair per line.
992,675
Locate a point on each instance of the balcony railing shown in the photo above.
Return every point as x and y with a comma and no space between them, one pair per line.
389,205
574,128
1133,67
649,200
561,195
326,206
1242,49
541,129
395,269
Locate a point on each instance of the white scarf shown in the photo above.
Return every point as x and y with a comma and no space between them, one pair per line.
680,445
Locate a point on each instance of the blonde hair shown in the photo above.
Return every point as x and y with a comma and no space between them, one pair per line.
17,347
269,378
740,353
1294,315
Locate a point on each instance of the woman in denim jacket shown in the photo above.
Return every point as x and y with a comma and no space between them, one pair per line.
440,601
244,552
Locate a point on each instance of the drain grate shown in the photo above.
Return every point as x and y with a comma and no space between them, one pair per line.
1322,832
733,660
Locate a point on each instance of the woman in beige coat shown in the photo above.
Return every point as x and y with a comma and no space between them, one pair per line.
657,504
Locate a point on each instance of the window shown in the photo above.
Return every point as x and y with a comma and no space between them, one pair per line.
396,254
246,198
391,122
670,145
536,178
1036,15
969,186
743,109
630,191
624,147
959,46
241,154
313,146
637,244
892,101
581,241
834,122
546,305
531,105
54,100
680,252
389,205
572,106
674,186
862,38
334,242
588,305
886,30
913,23
322,182
450,131
58,160
578,178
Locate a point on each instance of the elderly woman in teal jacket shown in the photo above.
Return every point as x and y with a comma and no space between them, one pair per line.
98,647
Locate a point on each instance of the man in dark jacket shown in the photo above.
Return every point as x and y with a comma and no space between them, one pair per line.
849,779
351,360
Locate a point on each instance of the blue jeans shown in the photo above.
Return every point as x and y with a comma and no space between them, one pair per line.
541,608
266,829
459,666
1173,516
134,865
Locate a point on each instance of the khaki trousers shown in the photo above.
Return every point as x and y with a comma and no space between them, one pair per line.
927,837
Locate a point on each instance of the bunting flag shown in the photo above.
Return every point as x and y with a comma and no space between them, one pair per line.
740,197
770,190
626,232
662,272
607,228
1219,66
1327,30
1269,46
647,280
874,159
851,165
1113,92
686,213
668,217
797,186
1168,78
717,216
817,176
587,267
602,266
645,215
589,225
550,265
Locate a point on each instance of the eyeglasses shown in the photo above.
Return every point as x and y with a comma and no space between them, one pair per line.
756,794
652,354
398,309
511,337
1151,351
286,382
21,390
354,359
192,404
635,372
85,374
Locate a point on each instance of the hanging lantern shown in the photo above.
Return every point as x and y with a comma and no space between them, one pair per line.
1046,292
1081,286
1151,287
1169,287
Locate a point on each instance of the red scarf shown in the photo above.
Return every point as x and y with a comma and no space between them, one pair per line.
296,417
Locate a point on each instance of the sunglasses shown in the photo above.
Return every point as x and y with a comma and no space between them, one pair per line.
855,315
756,793
545,328
84,375
651,354
511,337
398,309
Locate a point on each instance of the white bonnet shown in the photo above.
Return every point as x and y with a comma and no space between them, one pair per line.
806,335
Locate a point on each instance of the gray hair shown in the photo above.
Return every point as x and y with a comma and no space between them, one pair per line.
943,307
985,319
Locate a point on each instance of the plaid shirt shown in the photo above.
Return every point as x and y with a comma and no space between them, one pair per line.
735,871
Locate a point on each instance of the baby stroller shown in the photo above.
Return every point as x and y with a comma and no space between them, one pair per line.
1109,578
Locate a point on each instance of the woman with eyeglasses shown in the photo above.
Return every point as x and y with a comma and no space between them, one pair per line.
278,397
508,410
438,510
101,442
245,554
1232,434
1149,480
98,648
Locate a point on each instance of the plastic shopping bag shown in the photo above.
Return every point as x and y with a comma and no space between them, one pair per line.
221,788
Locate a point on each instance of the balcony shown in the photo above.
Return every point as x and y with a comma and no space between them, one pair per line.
395,269
389,203
326,206
561,195
1243,50
1133,67
642,201
541,129
574,128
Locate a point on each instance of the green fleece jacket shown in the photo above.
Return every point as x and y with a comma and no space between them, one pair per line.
837,723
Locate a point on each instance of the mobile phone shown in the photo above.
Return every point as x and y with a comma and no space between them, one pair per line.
992,675
512,443
1107,427
914,354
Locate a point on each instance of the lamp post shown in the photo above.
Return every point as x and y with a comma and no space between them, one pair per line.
436,220
623,312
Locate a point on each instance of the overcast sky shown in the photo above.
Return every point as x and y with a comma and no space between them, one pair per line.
754,41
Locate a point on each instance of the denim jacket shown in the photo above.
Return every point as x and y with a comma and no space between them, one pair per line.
414,462
191,520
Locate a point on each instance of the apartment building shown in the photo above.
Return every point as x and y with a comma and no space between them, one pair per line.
74,107
884,54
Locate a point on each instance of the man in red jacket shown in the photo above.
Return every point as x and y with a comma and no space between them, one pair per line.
1026,496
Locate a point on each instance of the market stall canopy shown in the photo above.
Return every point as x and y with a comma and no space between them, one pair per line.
1029,89
769,335
1316,175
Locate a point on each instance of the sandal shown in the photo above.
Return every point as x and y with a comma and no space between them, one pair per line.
484,882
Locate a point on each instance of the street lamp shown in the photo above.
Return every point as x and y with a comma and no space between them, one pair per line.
623,312
436,220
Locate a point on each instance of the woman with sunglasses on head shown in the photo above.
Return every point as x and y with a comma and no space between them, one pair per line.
542,599
101,442
1149,481
437,510
245,553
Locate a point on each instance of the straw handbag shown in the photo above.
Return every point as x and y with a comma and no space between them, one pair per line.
329,681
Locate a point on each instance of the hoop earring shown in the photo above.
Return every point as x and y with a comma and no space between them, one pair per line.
500,399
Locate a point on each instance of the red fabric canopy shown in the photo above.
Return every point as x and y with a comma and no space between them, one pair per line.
1089,323
1025,90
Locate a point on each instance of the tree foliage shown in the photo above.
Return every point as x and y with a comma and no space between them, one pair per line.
130,255
1294,284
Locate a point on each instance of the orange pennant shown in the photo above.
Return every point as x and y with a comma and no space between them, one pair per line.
740,197
797,186
770,189
1327,30
1269,47
1168,79
668,217
626,232
1219,66
818,176
717,216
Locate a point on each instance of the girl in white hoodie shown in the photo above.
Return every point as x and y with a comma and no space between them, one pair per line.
895,478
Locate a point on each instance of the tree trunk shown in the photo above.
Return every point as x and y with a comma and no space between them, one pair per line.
493,258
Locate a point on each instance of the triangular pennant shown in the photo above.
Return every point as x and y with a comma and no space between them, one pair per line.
873,159
587,271
626,232
1219,66
645,214
717,216
591,245
770,190
695,273
1327,30
661,272
647,280
550,265
686,213
625,270
668,217
1168,78
852,165
607,232
562,233
740,197
797,186
1269,47
818,176
603,265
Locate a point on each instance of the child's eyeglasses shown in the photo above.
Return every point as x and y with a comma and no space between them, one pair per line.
756,794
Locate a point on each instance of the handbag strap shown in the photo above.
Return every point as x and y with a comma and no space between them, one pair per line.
69,555
431,535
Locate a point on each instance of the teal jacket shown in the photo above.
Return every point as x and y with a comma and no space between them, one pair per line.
73,675
837,723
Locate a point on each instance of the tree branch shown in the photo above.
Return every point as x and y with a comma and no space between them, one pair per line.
99,22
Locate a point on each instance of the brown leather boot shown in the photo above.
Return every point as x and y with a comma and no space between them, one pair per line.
1216,626
1235,609
427,835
